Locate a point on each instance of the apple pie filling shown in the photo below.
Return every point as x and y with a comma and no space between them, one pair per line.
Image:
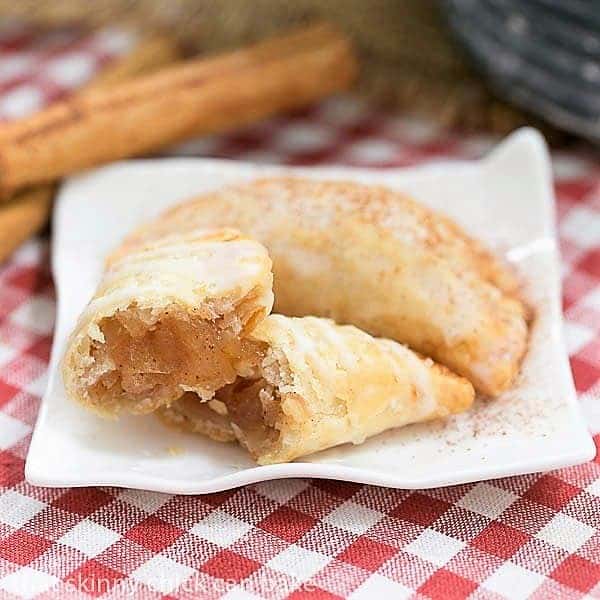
145,359
253,407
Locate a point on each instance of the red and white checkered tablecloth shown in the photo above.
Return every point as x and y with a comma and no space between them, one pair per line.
531,536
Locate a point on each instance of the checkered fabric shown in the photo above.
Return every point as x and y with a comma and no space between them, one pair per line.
39,67
532,536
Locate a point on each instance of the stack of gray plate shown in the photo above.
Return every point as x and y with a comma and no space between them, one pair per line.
543,55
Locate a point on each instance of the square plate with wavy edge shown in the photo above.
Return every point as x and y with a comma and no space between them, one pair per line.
505,199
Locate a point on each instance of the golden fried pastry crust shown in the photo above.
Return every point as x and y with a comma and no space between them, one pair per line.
374,258
169,316
319,385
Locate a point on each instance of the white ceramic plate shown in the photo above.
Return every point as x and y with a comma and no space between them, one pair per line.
505,199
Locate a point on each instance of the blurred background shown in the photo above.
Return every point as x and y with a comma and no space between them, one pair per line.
485,66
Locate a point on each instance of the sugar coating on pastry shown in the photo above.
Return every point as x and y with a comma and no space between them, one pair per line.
372,257
319,385
169,316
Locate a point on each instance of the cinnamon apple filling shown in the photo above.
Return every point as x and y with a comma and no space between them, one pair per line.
150,359
256,410
191,414
253,407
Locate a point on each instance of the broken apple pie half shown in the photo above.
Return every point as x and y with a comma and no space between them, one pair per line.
318,385
169,316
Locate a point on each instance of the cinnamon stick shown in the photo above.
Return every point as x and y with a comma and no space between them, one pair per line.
23,216
198,97
148,56
26,213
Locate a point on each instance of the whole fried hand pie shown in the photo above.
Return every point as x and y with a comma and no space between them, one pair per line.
376,259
